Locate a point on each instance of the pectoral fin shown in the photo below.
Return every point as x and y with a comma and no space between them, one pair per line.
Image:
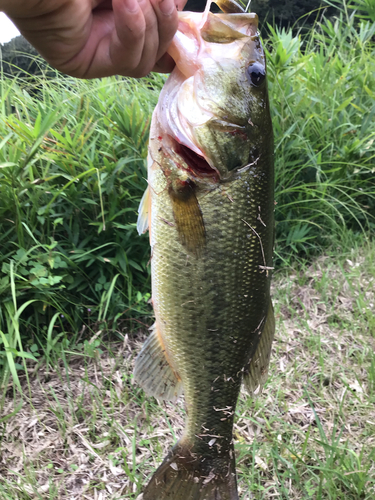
188,218
144,211
256,371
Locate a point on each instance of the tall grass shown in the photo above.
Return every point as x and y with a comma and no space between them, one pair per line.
323,104
72,168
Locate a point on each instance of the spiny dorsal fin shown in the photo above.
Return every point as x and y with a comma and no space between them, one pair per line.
216,30
153,370
256,371
230,6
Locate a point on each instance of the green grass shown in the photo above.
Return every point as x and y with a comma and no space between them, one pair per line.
82,427
72,169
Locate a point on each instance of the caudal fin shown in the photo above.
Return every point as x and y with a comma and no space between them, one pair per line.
187,476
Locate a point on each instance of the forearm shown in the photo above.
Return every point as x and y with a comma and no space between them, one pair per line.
26,8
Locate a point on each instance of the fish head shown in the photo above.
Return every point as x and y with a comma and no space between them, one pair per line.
214,107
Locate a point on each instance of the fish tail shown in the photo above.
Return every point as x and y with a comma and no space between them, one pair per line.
184,475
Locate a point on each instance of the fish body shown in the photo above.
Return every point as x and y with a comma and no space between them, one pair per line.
209,208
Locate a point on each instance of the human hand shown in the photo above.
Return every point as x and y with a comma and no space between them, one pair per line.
96,38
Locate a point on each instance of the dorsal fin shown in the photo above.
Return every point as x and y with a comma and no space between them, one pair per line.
215,30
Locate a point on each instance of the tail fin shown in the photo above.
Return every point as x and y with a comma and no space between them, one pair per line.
187,476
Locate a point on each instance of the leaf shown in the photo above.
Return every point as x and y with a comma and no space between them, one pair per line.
90,202
8,164
26,355
135,265
10,360
344,104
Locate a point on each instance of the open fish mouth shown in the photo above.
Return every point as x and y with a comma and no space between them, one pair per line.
197,165
189,161
198,168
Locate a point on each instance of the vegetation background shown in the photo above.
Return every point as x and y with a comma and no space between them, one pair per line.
73,167
73,156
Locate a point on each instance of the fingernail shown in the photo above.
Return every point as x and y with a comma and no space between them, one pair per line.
167,7
131,5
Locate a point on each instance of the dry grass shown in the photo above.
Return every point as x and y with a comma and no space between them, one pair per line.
83,431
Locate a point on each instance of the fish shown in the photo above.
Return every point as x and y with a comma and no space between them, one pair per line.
209,209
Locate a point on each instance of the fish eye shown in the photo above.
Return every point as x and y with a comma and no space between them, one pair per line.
256,74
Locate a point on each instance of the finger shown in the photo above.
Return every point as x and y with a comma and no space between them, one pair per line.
119,45
167,22
128,38
151,38
124,40
164,65
180,4
161,20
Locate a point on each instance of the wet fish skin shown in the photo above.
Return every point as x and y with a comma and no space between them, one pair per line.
211,225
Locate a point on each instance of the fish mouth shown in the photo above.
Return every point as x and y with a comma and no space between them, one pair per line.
196,164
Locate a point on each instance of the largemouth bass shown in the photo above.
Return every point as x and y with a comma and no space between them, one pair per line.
209,209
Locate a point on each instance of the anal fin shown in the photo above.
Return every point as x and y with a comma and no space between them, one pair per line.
256,371
154,372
